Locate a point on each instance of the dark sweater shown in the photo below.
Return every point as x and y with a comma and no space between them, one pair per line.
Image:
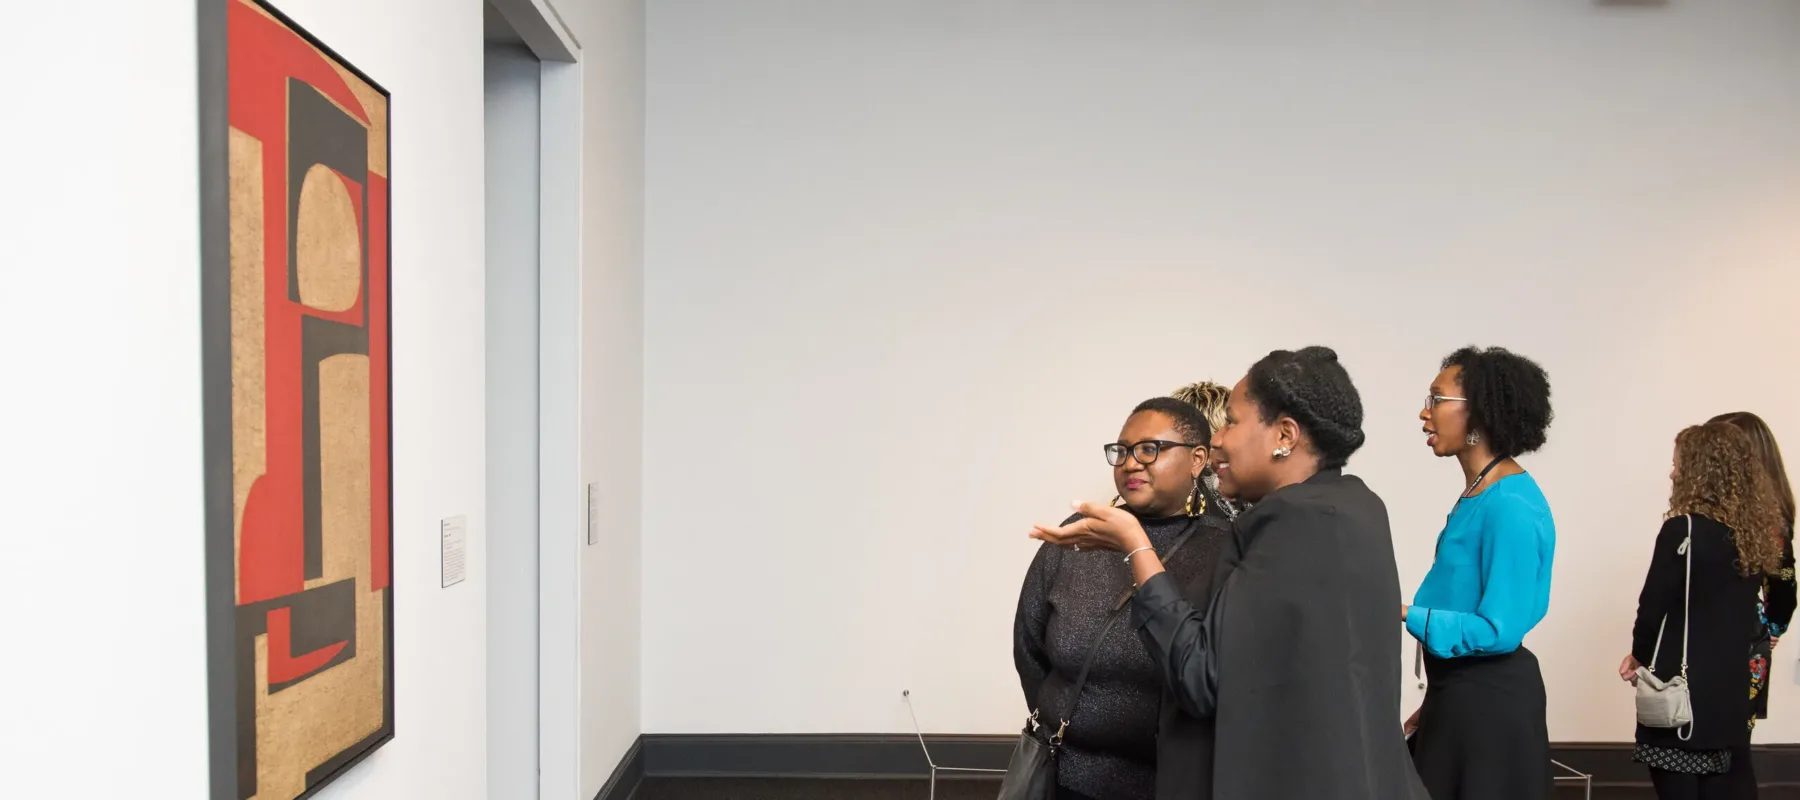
1109,751
1725,625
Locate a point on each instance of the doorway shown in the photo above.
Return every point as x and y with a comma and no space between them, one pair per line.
511,116
531,118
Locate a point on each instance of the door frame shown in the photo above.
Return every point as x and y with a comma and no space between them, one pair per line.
562,503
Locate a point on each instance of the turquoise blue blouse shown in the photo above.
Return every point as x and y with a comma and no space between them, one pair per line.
1490,584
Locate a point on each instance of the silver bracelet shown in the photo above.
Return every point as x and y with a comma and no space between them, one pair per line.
1135,552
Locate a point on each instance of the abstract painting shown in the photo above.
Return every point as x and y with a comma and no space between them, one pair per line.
294,150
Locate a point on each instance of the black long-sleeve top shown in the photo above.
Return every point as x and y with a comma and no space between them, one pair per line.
1779,592
1721,607
1305,632
1110,747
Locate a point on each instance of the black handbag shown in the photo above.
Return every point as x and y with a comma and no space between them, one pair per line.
1031,774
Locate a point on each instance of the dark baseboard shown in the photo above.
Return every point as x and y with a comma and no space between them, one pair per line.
848,755
875,756
1777,765
627,776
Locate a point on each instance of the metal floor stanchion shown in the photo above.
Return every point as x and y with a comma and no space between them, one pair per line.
906,694
1575,776
1571,774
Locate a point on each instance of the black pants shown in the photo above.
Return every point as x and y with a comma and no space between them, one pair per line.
1683,786
1482,734
1070,794
1738,784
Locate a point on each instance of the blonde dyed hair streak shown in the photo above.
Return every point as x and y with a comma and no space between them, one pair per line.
1209,397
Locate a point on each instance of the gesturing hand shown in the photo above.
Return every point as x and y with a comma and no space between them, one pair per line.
1101,527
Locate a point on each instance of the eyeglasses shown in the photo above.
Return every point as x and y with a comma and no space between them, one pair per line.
1145,452
1432,400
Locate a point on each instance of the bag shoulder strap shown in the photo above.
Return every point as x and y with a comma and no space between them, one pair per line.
1112,618
1686,549
1687,592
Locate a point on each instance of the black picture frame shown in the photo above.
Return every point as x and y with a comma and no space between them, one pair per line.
216,393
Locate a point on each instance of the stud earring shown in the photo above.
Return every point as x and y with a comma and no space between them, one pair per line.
1283,452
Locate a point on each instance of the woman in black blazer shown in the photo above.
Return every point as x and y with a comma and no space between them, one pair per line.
1281,678
1724,518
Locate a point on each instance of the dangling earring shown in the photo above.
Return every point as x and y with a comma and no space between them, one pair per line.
1118,500
1211,482
1196,498
1283,452
1474,439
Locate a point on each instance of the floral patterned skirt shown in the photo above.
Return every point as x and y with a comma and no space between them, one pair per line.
1760,656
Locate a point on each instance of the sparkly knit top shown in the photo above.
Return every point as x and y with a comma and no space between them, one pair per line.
1109,750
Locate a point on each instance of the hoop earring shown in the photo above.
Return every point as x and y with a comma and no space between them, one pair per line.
1196,498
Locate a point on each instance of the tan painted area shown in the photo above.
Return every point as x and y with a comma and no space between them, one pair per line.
344,468
249,418
315,720
327,242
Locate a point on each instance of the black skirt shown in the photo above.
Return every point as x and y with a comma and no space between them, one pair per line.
1482,734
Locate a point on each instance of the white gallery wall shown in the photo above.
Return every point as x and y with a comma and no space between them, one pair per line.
101,474
909,264
611,33
101,565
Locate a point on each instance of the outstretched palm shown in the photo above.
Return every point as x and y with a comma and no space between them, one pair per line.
1100,527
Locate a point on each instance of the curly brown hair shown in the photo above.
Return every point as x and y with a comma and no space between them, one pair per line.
1717,476
1762,442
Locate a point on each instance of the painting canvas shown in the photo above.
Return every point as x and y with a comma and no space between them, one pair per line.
295,285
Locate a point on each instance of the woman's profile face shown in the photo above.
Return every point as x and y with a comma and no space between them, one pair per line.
1161,487
1446,415
1244,450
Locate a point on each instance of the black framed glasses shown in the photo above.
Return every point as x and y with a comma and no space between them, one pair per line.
1145,452
1432,400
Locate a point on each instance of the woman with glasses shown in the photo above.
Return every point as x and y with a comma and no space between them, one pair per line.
1481,732
1070,608
1281,677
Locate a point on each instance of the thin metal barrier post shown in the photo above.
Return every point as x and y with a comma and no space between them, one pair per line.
906,694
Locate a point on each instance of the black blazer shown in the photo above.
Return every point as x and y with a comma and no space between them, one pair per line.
1308,654
1724,627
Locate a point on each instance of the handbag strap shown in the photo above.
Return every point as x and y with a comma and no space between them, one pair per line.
1112,618
1687,589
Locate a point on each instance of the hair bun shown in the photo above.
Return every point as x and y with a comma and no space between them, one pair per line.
1318,353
